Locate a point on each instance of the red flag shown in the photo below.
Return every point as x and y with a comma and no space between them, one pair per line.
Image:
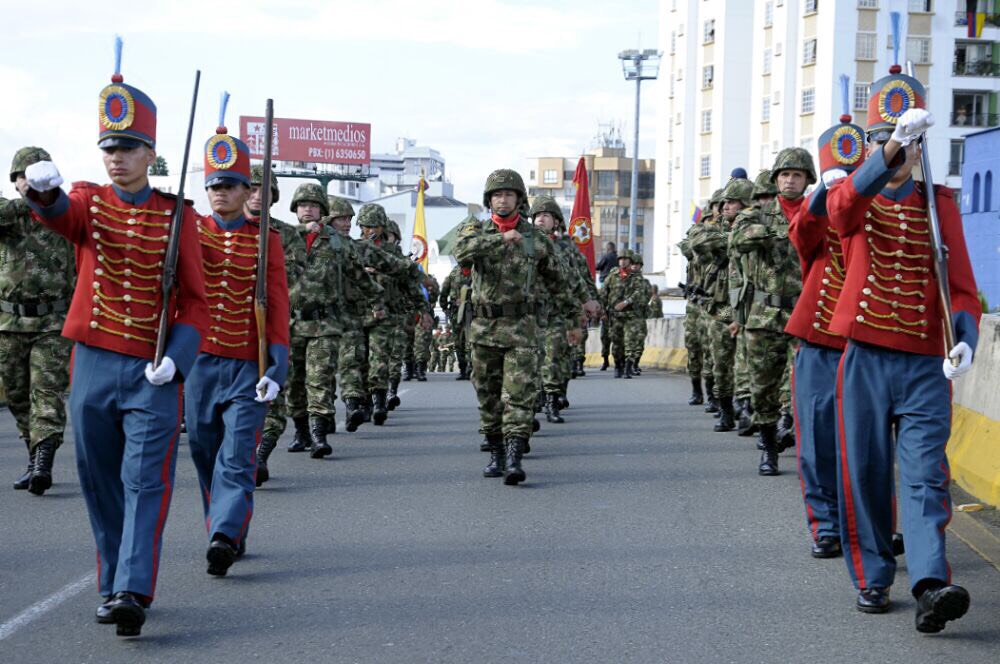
580,227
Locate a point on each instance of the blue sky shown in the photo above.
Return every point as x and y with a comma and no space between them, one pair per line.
489,83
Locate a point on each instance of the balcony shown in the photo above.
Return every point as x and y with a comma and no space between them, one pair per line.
962,119
992,20
976,68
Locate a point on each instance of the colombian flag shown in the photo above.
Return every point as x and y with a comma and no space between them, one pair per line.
974,20
418,245
695,214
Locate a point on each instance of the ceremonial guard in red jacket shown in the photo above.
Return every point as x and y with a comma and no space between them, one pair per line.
126,412
225,398
894,400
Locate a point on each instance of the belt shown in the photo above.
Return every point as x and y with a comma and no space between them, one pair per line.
34,310
503,310
780,301
315,313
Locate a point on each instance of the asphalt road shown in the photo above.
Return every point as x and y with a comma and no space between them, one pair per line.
640,536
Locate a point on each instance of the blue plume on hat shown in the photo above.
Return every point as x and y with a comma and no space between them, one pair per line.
739,172
845,99
894,18
223,103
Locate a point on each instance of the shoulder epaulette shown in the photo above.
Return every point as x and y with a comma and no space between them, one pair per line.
173,197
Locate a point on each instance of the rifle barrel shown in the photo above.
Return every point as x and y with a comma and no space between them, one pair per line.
260,294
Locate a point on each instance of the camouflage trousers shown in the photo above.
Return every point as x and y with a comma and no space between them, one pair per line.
408,346
352,355
635,339
581,349
435,361
506,386
368,358
693,339
311,387
399,336
723,348
446,360
785,396
422,341
741,371
551,354
768,355
277,416
34,369
705,334
606,338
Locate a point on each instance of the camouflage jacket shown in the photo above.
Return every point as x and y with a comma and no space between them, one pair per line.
564,307
710,246
578,260
294,246
37,269
502,301
655,306
392,272
773,268
324,300
740,289
451,292
631,288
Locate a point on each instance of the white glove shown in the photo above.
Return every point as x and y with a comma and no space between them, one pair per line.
832,175
911,125
43,176
267,390
163,374
963,354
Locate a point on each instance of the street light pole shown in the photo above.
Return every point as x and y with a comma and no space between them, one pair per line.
637,66
634,194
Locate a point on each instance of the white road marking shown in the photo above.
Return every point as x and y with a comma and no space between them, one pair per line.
36,611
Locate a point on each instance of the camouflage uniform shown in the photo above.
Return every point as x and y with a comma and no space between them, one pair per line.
435,360
776,277
628,289
37,278
422,341
697,352
639,326
450,298
740,294
445,351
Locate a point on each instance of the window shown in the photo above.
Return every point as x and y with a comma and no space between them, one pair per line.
864,48
768,13
707,74
809,52
955,160
867,4
808,101
861,91
605,183
706,121
678,119
779,3
531,175
680,29
680,74
777,49
918,49
776,97
765,109
774,147
975,193
671,95
673,43
767,62
709,34
988,191
810,7
921,6
706,165
550,176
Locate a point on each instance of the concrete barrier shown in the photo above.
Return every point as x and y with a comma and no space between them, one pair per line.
974,448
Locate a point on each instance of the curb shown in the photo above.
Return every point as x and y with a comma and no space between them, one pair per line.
974,454
977,537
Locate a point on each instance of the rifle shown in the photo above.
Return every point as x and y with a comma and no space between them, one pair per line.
174,240
938,248
260,292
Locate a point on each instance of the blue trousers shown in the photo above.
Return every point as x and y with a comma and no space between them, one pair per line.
224,425
814,399
126,433
886,396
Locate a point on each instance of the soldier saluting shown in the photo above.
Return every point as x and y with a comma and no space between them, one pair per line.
126,412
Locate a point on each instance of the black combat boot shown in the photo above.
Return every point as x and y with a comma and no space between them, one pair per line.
786,431
407,371
552,409
127,613
355,413
628,369
392,398
300,443
769,455
221,555
618,369
463,367
745,425
318,427
580,371
422,372
604,366
489,440
498,457
514,474
636,370
267,445
936,606
41,476
22,482
379,410
697,396
712,405
727,419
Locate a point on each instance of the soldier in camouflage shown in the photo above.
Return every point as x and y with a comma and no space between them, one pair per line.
422,338
624,297
574,353
639,327
37,278
507,255
459,280
402,331
435,360
294,247
775,274
655,303
697,352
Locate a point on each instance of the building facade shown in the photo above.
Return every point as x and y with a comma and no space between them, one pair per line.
980,205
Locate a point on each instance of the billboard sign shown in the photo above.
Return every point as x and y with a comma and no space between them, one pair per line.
311,141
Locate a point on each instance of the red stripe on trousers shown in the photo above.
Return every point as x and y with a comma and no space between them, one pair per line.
852,523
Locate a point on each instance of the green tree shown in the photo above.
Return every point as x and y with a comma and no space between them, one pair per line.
159,167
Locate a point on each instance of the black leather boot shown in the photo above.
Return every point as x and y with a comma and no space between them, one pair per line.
127,613
41,476
744,424
463,367
604,366
697,396
318,427
355,413
488,442
514,473
379,410
552,409
300,443
937,606
786,431
726,420
636,370
422,372
221,555
22,482
628,369
711,405
498,457
407,371
769,455
392,398
580,371
267,445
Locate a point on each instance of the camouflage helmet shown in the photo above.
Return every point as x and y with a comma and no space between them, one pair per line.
257,179
794,159
625,253
340,207
310,192
763,185
547,204
716,197
636,258
738,189
393,227
503,178
26,157
372,215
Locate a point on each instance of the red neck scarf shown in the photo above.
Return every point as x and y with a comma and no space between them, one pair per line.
623,272
791,208
311,237
466,271
508,224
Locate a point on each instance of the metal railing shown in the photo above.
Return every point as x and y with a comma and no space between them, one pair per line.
975,120
976,68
